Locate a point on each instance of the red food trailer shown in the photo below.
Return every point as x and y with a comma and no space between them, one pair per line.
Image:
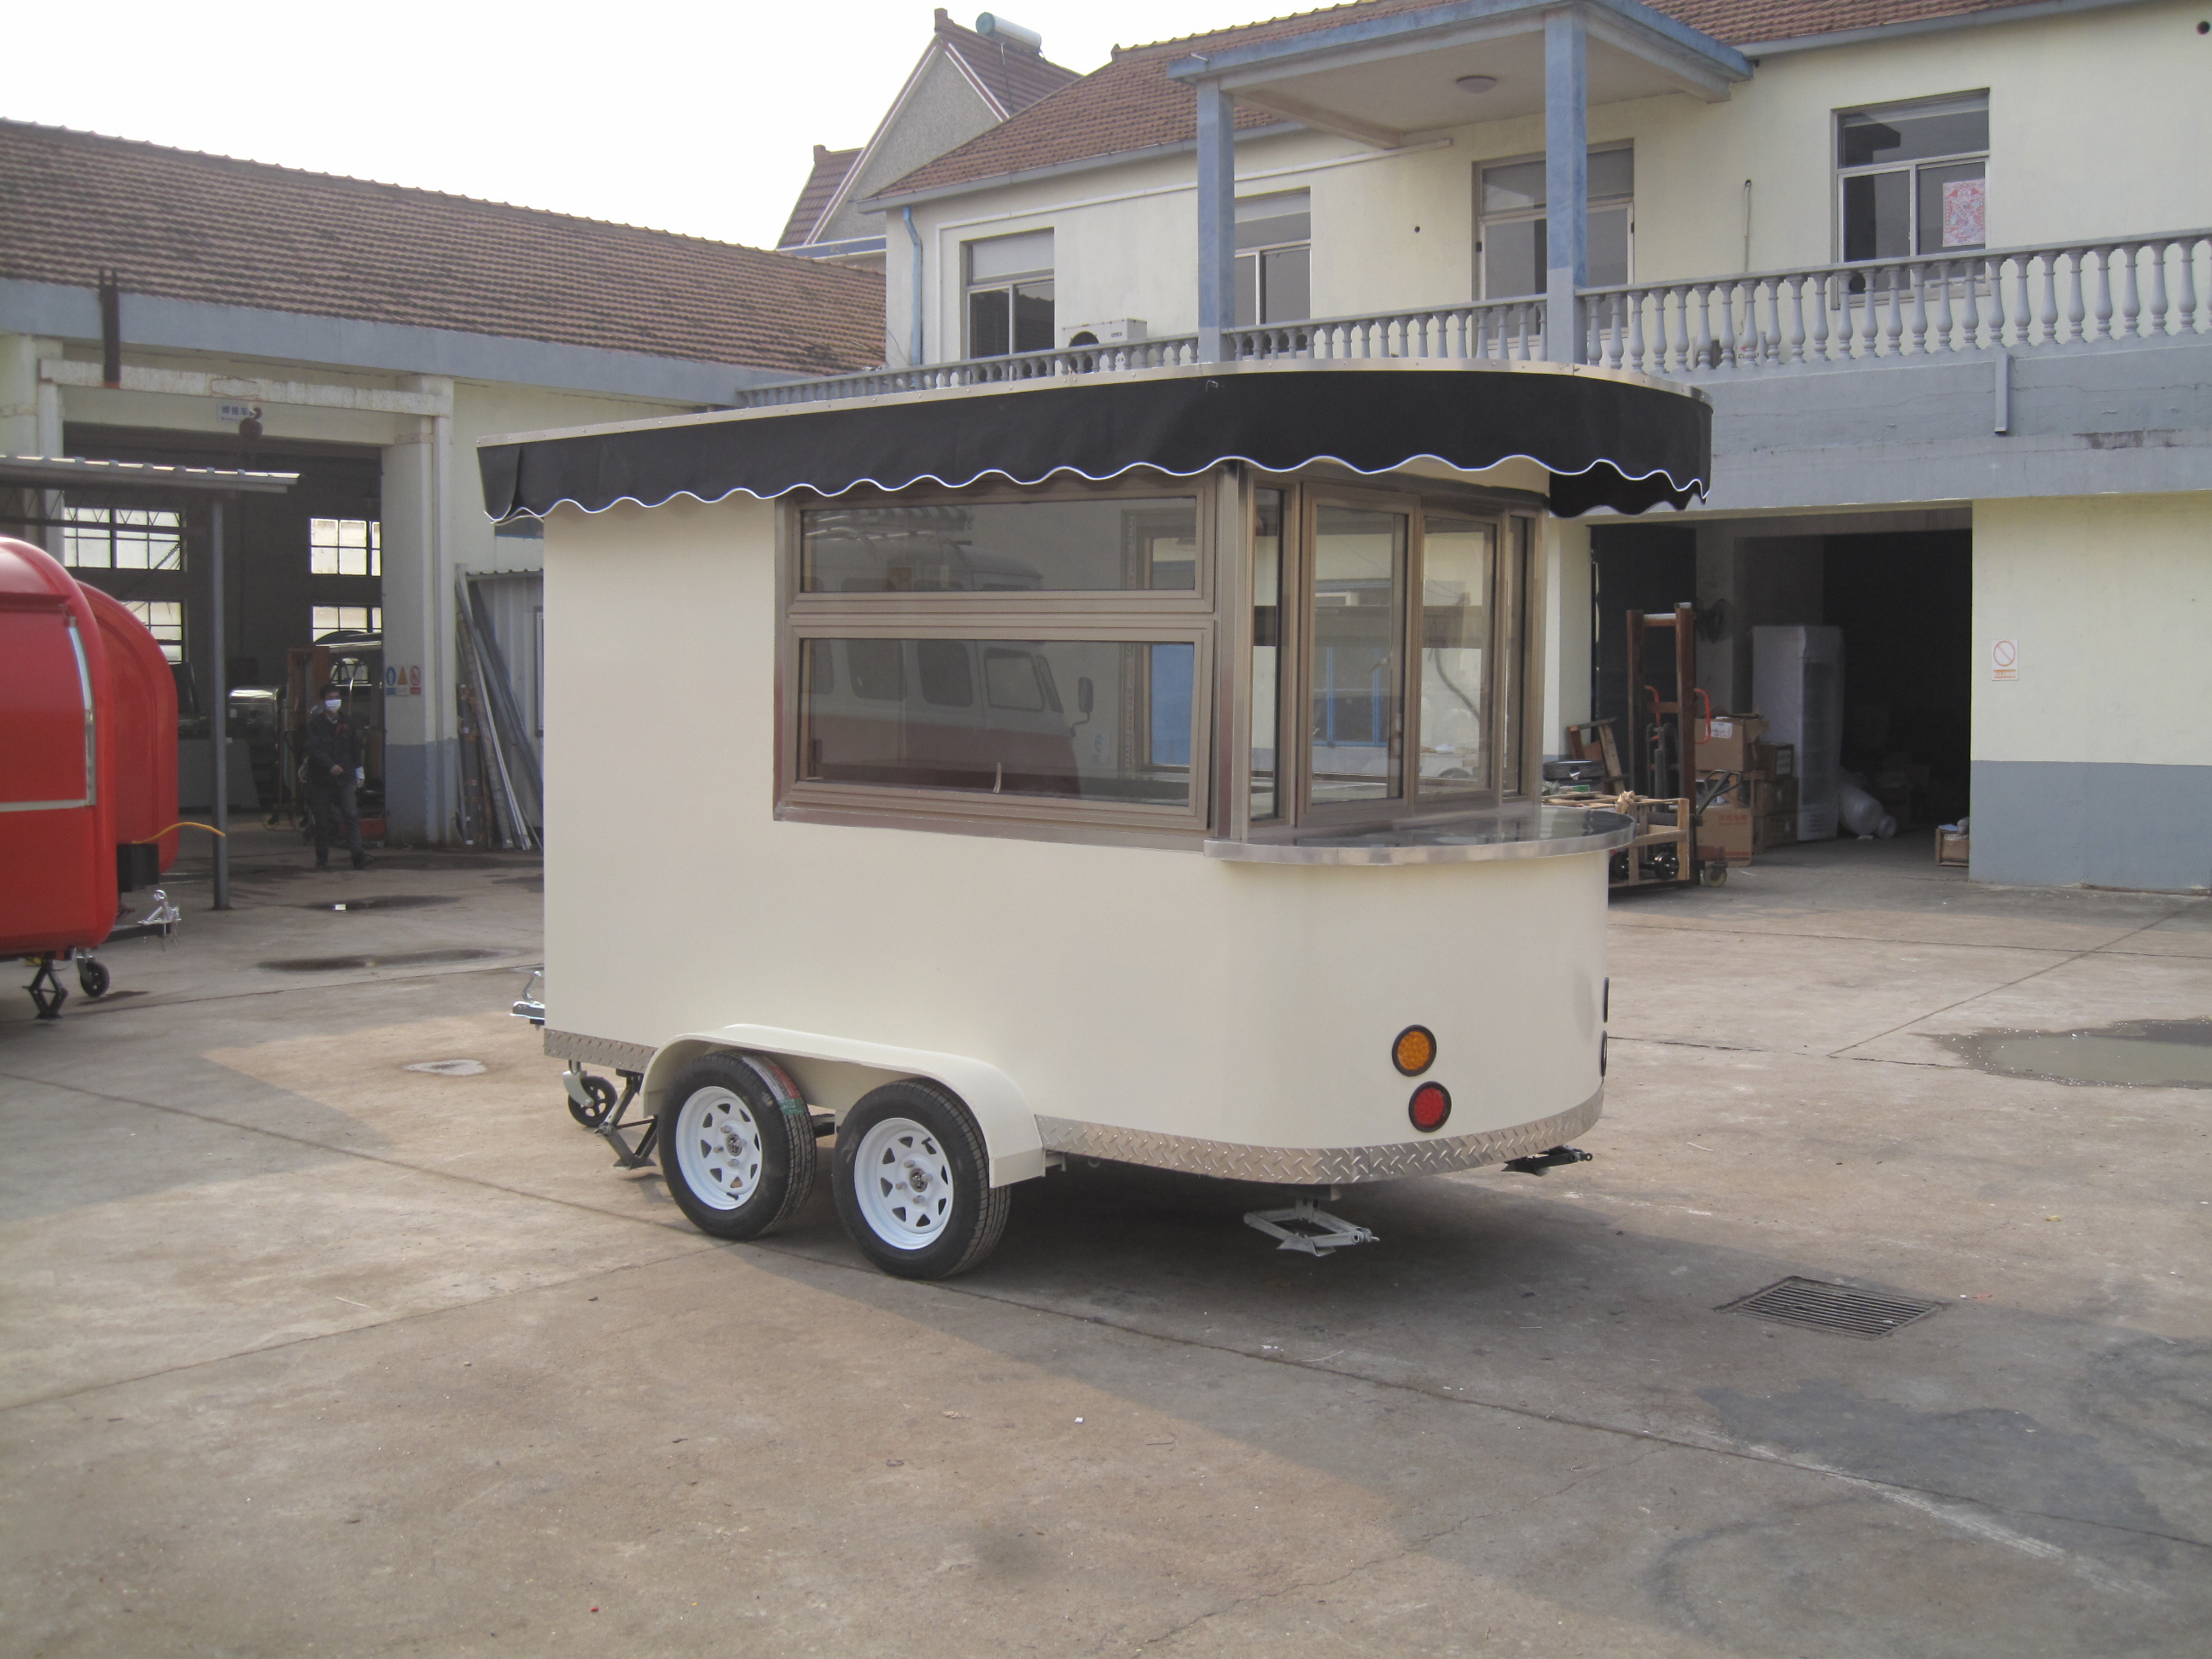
87,769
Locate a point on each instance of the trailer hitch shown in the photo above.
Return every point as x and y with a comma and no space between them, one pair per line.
1537,1162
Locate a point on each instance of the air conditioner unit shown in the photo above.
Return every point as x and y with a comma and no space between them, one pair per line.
1120,330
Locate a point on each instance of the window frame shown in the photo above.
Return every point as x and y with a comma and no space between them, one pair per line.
1515,638
1483,219
1258,252
1906,107
969,287
1151,616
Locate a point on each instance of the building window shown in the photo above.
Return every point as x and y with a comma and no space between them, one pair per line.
1510,246
1009,288
1274,258
346,547
123,538
353,618
1911,178
164,621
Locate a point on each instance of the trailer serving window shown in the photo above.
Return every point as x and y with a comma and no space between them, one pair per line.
1009,656
1046,656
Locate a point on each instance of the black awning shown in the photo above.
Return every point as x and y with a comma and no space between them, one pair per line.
1608,440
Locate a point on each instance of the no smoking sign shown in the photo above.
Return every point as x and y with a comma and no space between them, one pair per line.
2004,660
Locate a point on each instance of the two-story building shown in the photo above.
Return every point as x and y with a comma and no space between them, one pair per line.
1940,266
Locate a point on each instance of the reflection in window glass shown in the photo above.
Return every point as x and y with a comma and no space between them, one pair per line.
1004,547
1458,557
1512,238
1266,648
1358,594
1087,719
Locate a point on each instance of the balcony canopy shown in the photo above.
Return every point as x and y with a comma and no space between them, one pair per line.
1609,439
1382,78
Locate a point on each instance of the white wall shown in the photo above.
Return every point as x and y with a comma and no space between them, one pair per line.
2108,599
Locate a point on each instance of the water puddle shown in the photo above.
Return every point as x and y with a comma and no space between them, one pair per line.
395,959
382,901
2136,1054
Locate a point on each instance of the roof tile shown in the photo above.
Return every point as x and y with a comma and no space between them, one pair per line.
185,226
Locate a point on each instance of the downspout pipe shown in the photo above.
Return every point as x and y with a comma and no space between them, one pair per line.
914,335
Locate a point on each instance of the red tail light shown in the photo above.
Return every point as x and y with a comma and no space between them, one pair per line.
1429,1107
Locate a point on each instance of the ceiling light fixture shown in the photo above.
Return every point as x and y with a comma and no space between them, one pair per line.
1475,83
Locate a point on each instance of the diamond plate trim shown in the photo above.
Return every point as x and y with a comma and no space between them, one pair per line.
598,1051
1304,1166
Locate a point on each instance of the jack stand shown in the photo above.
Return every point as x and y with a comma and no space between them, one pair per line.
628,1157
47,989
1538,1162
1317,1232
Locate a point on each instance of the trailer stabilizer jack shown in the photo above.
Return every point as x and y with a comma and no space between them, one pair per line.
1538,1162
1302,1227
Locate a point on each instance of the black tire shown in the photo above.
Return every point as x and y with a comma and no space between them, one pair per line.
744,1163
92,976
947,1153
602,1096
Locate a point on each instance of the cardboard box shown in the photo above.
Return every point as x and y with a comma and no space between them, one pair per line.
1775,829
1726,832
1777,759
1770,796
1952,848
1725,742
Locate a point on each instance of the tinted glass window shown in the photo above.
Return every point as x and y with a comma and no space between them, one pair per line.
1459,561
1004,547
1088,719
1358,596
945,675
1958,128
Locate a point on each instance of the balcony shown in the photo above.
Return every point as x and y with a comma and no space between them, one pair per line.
2024,299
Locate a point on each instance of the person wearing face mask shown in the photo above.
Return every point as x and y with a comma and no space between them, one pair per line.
333,768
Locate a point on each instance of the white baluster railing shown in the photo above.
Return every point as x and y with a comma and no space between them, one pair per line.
2143,288
2022,298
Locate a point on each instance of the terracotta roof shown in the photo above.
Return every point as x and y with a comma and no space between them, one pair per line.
1131,104
187,226
830,166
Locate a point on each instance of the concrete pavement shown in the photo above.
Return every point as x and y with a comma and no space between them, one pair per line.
309,1353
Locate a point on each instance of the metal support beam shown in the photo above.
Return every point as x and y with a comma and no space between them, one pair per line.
1216,218
1566,183
218,708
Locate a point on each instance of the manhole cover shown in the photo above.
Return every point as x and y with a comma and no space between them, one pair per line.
1837,1308
382,901
448,1067
396,960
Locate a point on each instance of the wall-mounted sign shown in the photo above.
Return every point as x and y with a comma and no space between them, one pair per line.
402,681
2004,660
231,414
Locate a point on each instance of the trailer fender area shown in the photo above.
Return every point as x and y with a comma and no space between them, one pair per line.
1003,1113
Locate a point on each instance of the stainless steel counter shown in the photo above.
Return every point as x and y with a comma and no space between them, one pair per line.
1510,832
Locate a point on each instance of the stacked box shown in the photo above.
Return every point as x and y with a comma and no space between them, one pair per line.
1726,743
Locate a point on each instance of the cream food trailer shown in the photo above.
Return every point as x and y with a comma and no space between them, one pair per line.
1141,765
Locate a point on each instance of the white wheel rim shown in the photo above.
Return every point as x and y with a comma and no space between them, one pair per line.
718,1148
904,1181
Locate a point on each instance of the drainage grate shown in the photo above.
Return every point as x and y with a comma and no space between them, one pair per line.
1834,1307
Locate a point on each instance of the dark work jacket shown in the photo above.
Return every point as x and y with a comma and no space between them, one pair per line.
331,742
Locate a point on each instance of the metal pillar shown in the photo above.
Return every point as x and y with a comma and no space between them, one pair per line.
1216,218
219,715
1566,183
